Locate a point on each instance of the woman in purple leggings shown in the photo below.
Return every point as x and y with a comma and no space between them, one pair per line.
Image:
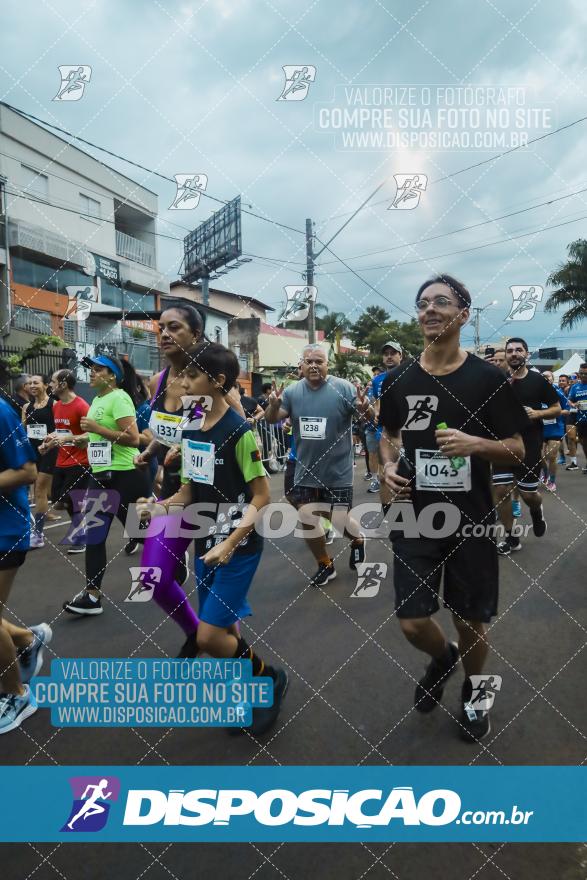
181,327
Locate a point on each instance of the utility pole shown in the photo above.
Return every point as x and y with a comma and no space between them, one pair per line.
475,322
477,329
205,282
5,301
310,280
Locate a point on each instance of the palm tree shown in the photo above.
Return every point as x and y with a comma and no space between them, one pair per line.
334,325
571,281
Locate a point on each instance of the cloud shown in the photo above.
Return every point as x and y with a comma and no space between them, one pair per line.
194,88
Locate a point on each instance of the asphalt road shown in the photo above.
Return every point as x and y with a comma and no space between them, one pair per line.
350,700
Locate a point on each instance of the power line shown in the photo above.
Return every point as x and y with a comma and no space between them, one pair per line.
367,283
84,186
39,201
463,251
346,223
143,167
281,261
476,164
462,228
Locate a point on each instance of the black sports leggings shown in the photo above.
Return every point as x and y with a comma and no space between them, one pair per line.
130,485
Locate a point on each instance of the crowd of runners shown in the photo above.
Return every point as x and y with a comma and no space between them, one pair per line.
446,432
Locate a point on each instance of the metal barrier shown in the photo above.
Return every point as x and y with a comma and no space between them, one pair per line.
273,443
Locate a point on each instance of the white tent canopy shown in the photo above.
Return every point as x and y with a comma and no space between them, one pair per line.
571,366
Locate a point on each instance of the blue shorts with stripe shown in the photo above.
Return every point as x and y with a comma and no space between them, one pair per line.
222,589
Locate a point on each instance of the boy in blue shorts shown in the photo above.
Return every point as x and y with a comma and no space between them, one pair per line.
221,466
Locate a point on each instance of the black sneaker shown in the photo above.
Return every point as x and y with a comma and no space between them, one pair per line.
430,688
83,603
131,547
182,572
474,723
510,545
538,521
584,470
357,553
76,548
572,467
264,719
324,574
189,649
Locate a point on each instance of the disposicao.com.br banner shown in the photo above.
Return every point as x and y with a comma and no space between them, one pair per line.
304,804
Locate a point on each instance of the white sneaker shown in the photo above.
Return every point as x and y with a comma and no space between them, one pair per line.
14,709
37,540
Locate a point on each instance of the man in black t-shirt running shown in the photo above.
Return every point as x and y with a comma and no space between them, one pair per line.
534,392
426,466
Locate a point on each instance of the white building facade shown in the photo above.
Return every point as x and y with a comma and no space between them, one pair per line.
72,221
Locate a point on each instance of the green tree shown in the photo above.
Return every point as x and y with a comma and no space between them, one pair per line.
16,363
335,325
407,333
348,367
571,280
372,318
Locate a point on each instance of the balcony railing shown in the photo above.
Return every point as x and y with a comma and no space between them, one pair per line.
135,249
35,238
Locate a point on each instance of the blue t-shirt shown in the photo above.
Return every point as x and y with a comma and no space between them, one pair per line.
374,394
15,451
578,394
554,429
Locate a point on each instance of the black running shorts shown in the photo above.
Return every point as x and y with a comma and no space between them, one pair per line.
471,577
301,495
288,479
527,474
66,478
11,559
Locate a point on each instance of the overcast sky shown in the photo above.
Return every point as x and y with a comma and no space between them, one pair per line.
192,87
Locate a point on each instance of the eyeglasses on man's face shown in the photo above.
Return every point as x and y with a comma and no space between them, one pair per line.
440,302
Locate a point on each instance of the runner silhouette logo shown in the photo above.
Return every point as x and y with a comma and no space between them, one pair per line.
92,796
422,408
144,579
485,688
93,510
